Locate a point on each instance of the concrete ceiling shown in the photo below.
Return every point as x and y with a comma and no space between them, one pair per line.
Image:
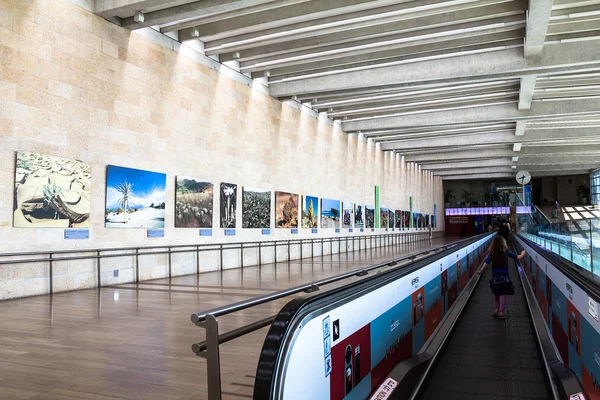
465,88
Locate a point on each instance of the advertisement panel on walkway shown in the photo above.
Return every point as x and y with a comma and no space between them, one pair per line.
571,316
363,339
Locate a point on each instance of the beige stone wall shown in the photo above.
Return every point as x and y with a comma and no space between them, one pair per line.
77,86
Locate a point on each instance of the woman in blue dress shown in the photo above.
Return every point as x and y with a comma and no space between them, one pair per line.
501,284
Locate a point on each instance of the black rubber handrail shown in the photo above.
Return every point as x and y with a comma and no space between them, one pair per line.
242,305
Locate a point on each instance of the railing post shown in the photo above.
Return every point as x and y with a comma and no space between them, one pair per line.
288,252
322,248
213,362
50,274
242,254
259,254
98,269
301,247
137,265
275,252
312,248
221,256
169,249
198,260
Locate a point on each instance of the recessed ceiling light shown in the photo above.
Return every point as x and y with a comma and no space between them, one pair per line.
515,158
514,167
517,147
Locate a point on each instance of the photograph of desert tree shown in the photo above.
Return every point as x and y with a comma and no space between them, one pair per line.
135,198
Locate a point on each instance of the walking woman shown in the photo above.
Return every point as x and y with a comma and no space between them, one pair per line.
501,284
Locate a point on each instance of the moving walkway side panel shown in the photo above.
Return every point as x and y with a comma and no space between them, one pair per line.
569,305
342,343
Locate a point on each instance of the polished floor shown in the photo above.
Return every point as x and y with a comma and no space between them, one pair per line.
133,341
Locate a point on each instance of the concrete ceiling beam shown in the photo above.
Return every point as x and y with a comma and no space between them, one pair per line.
500,64
526,92
383,28
204,11
481,176
538,18
283,16
454,165
460,141
489,113
488,170
458,155
401,54
126,8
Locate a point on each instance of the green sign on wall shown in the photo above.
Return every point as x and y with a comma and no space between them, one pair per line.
377,210
411,214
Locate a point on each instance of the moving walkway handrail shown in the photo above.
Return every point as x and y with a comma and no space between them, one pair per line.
209,348
242,305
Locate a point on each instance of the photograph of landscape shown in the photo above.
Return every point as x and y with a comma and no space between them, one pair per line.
228,205
407,219
391,218
384,217
256,208
359,216
193,203
330,213
348,217
51,192
135,198
369,217
398,219
286,210
310,212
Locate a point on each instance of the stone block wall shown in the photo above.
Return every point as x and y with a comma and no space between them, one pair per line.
77,86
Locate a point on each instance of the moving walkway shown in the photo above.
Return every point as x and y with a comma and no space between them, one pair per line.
426,331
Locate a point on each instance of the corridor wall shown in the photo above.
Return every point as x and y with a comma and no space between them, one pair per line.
74,85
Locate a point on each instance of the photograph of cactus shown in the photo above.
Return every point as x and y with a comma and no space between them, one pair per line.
398,219
256,208
286,210
359,216
369,217
310,212
330,213
384,217
193,203
228,205
348,217
135,198
51,192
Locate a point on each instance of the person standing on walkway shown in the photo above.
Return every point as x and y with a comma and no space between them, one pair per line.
501,284
556,211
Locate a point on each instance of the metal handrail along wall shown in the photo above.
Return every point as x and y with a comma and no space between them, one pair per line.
52,257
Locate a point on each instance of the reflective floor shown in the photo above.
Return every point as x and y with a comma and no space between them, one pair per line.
133,341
